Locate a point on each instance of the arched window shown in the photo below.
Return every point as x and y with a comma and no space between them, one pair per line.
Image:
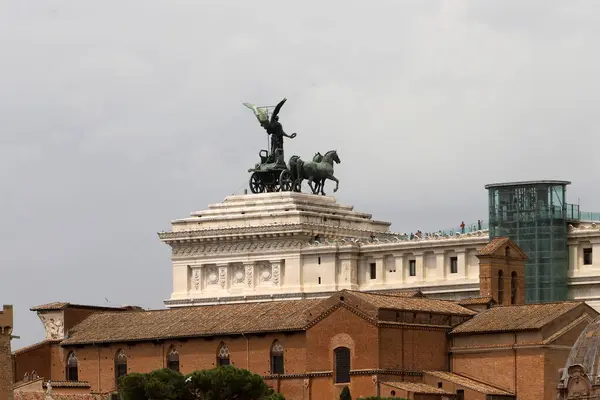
277,358
341,368
72,367
513,288
500,287
223,355
173,359
120,365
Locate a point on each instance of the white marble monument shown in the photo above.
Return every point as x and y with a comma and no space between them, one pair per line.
288,245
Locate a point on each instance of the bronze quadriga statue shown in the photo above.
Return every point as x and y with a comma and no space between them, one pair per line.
272,175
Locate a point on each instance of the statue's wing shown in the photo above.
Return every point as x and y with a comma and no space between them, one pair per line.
260,113
277,108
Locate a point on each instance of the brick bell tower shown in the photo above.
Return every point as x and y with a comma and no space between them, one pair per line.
6,364
502,271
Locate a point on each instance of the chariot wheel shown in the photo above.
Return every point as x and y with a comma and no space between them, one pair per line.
256,185
285,181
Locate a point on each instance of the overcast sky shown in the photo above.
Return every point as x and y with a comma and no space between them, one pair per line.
118,116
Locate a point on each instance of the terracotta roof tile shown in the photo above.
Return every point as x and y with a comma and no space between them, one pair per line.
61,305
67,384
468,383
275,316
496,244
483,300
412,303
402,293
515,318
34,346
415,387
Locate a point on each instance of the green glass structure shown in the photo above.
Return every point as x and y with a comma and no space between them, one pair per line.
534,215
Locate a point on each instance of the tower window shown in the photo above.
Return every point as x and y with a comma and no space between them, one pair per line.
319,280
513,288
319,260
373,270
453,265
412,267
587,257
500,287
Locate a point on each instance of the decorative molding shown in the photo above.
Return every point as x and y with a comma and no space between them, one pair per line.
264,272
238,274
276,229
249,274
242,247
275,272
196,277
222,276
346,270
212,276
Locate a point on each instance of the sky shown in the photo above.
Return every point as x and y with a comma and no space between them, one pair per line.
118,116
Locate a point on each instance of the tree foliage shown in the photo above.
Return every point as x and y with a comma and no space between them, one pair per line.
345,394
222,383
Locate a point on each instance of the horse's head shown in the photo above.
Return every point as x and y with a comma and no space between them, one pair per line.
333,155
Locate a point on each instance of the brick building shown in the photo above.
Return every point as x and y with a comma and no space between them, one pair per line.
401,344
6,370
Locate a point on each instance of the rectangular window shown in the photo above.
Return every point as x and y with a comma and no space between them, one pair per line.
587,256
319,280
412,267
373,267
342,365
72,373
453,265
221,362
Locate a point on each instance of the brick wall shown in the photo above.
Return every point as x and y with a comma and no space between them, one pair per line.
37,359
6,363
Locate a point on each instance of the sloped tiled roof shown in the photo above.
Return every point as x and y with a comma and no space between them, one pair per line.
412,303
61,305
496,244
415,387
515,318
401,293
107,327
68,384
34,346
483,300
468,383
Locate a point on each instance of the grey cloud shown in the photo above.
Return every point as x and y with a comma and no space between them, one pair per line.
119,116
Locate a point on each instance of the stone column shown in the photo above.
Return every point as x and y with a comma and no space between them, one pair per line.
398,259
573,258
249,275
440,261
595,254
462,265
379,269
419,266
348,278
223,275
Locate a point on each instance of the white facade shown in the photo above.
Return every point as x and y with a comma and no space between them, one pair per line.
294,245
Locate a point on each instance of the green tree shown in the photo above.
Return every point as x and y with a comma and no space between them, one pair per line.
345,394
162,384
133,386
223,383
227,383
